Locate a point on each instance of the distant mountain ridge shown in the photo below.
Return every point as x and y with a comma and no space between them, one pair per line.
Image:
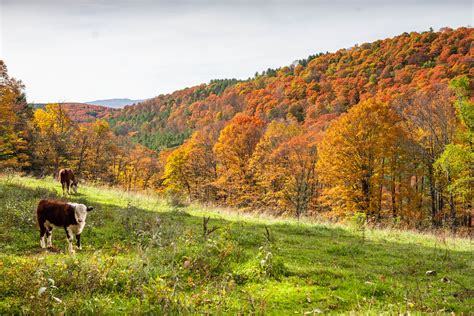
115,103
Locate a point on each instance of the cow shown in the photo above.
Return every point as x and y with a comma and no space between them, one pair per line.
67,179
70,216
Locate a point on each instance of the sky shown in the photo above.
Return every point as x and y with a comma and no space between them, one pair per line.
83,50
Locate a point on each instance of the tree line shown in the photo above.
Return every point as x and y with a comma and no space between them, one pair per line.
408,160
42,141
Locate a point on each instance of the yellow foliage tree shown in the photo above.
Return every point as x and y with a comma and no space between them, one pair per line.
191,168
54,130
12,145
13,123
354,156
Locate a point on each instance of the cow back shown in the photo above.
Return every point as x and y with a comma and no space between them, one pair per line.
56,212
66,175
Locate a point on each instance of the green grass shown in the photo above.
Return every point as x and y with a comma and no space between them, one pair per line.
141,255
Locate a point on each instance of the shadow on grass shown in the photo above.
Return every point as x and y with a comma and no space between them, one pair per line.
327,258
315,246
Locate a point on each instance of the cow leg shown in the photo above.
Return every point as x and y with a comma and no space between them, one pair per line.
67,186
69,237
49,235
42,233
63,185
78,241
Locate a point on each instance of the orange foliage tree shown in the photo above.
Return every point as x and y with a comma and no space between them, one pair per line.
283,164
233,150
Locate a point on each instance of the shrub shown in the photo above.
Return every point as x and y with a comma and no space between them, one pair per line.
266,264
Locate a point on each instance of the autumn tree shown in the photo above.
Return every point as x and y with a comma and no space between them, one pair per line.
455,168
461,86
177,174
268,178
14,118
429,118
99,159
92,153
139,168
54,144
454,165
83,136
191,168
354,156
233,151
298,157
203,162
283,164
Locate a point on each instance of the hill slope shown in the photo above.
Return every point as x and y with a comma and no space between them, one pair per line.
141,255
308,89
83,112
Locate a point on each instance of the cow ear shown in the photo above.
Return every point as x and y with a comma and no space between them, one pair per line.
89,208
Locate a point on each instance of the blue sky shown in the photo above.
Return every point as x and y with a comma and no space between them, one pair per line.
84,50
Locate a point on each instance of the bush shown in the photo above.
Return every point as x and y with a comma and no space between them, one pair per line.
266,265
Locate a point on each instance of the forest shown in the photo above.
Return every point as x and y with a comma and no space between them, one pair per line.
382,131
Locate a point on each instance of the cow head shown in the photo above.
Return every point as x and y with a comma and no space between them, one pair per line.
80,212
74,187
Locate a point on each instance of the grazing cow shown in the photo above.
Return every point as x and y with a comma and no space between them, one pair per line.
70,216
67,179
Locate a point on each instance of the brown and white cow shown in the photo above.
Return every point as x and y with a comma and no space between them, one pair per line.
67,179
70,216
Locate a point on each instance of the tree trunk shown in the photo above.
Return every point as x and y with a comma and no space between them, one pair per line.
452,208
394,206
379,204
433,196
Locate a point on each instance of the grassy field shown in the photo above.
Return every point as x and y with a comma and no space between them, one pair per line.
141,255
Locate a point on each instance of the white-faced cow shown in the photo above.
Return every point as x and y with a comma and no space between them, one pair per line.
67,179
69,216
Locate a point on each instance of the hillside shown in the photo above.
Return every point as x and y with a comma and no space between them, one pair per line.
307,90
166,121
141,256
83,112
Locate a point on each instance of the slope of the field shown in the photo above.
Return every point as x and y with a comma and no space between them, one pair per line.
141,255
